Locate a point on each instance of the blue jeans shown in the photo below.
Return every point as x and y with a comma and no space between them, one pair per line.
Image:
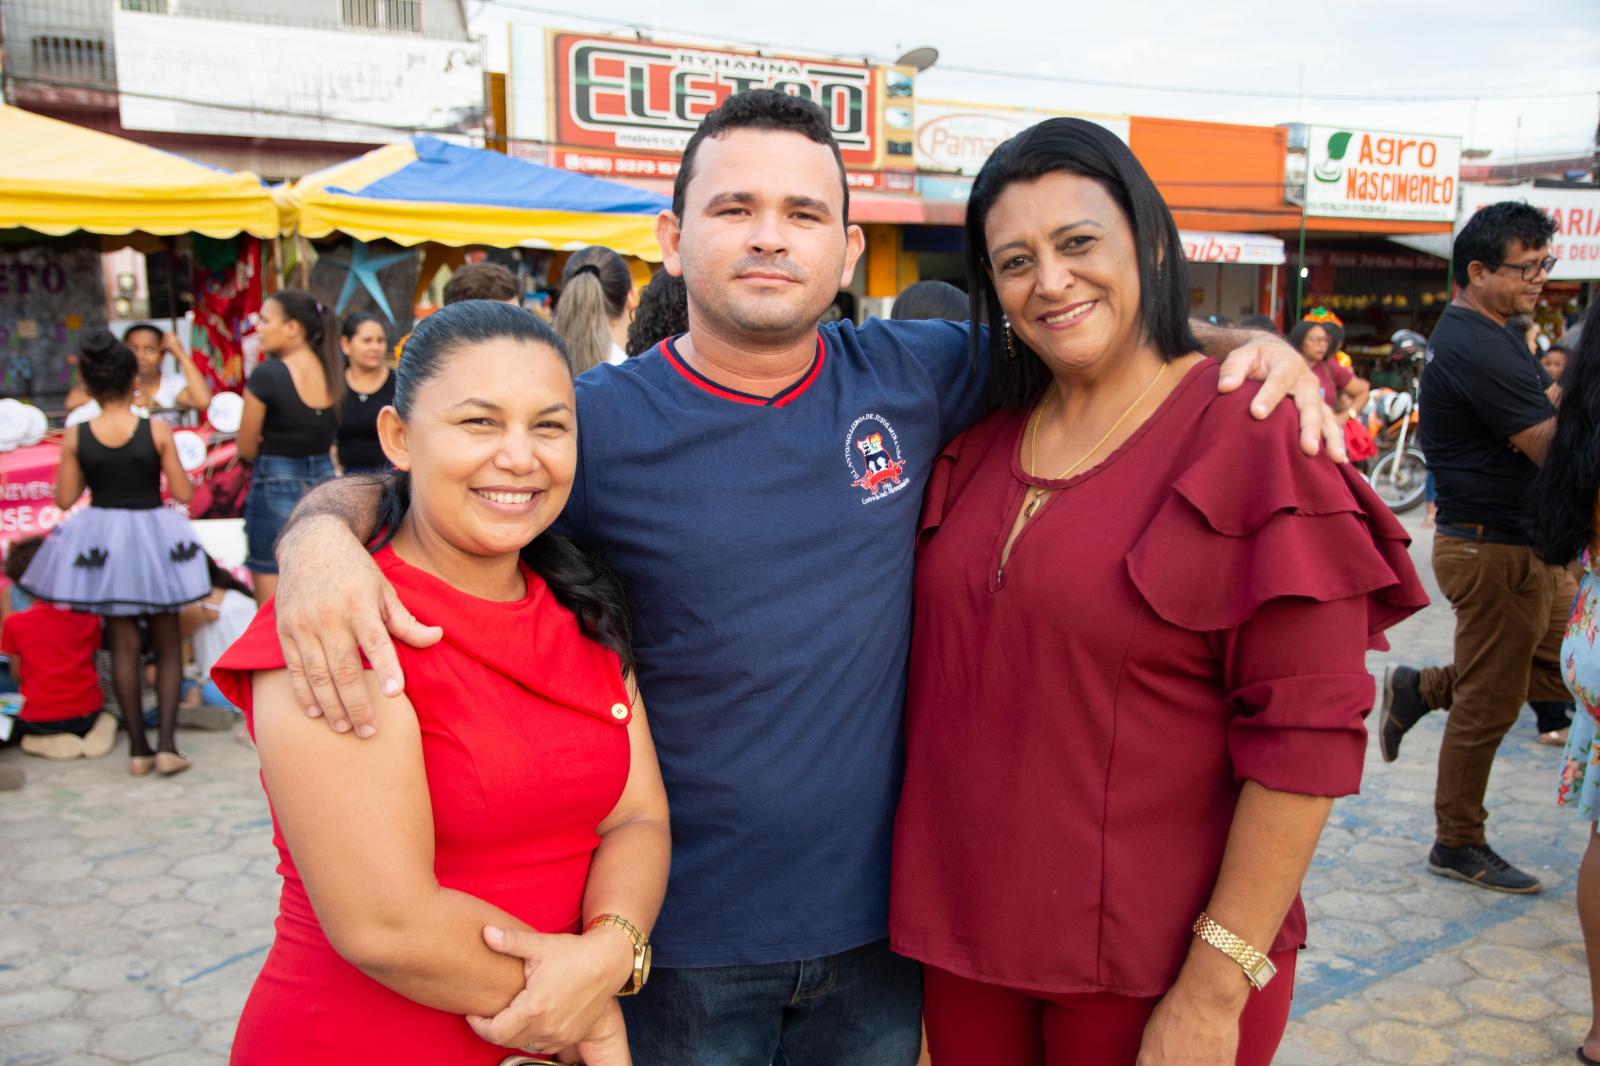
858,1008
276,484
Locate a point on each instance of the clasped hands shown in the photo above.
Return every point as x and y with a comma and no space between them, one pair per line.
567,1008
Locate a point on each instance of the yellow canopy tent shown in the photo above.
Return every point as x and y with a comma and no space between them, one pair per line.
427,190
57,178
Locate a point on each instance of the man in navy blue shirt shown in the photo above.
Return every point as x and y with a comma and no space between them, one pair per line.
757,483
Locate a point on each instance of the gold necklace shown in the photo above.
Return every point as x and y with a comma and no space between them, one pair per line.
1036,494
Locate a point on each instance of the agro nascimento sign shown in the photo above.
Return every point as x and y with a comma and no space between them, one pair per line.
1370,174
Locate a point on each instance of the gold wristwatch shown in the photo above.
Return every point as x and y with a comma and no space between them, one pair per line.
641,951
1258,969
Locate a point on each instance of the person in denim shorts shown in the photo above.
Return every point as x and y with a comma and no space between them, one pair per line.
291,405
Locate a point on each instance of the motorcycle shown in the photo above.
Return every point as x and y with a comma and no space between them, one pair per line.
1400,473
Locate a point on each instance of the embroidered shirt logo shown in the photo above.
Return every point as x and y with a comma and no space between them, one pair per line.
872,452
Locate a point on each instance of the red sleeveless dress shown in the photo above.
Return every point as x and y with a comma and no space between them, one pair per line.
525,744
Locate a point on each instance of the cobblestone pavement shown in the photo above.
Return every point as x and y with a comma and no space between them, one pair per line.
137,911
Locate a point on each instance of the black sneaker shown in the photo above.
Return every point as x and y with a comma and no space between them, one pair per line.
1477,864
1402,708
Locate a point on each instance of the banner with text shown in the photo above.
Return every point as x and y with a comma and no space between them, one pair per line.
1393,176
622,107
959,137
1576,213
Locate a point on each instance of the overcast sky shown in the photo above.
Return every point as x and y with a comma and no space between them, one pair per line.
1393,48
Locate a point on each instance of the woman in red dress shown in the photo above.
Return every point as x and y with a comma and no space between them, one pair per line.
511,794
1137,673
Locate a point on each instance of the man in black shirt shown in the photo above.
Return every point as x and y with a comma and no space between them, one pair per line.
1486,423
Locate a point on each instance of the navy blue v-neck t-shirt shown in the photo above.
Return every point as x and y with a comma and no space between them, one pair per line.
766,545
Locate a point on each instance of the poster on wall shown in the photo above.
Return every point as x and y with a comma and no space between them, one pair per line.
50,292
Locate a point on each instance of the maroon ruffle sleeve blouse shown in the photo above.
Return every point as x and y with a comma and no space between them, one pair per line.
1189,614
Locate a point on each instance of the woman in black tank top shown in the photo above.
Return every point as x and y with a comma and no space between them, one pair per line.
125,556
291,408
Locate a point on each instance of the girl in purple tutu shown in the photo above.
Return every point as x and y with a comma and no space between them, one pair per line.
125,556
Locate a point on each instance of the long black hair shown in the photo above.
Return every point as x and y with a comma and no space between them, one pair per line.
1076,146
580,581
317,322
1565,490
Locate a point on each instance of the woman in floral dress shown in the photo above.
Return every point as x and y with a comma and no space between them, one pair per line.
1566,524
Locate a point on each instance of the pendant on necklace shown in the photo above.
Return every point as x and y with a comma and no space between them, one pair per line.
1035,497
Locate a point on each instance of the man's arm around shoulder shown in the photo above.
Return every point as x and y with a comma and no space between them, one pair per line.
333,604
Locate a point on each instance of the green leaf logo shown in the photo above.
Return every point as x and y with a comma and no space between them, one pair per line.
1332,169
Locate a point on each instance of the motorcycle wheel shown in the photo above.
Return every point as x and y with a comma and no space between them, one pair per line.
1399,480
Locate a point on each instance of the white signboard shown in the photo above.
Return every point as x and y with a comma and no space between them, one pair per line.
1225,248
1576,213
958,138
197,75
1368,174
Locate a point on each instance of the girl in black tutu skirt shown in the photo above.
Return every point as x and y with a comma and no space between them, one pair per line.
125,556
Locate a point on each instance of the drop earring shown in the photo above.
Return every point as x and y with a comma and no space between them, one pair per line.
1011,351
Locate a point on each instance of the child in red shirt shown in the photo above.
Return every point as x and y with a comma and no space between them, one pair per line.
52,659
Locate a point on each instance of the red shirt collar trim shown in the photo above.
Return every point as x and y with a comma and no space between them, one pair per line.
787,396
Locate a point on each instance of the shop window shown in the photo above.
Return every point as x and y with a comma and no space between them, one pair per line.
69,58
396,16
148,7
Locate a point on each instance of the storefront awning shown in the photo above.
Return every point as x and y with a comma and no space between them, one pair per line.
57,178
1225,248
429,190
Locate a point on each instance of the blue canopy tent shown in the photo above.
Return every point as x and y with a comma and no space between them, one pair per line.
430,190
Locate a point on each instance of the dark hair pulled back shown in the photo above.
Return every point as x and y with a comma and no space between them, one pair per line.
320,329
580,581
106,365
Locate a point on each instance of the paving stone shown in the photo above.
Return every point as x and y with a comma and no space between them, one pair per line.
106,974
34,1004
142,1039
1402,1043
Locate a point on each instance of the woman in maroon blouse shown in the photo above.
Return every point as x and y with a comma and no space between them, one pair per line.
1137,673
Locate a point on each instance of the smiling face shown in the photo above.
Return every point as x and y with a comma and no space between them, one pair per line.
366,348
762,245
1065,269
1504,291
491,445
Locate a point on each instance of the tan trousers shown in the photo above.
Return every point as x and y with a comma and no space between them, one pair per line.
1511,613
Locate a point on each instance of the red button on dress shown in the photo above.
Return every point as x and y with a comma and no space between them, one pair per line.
525,756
